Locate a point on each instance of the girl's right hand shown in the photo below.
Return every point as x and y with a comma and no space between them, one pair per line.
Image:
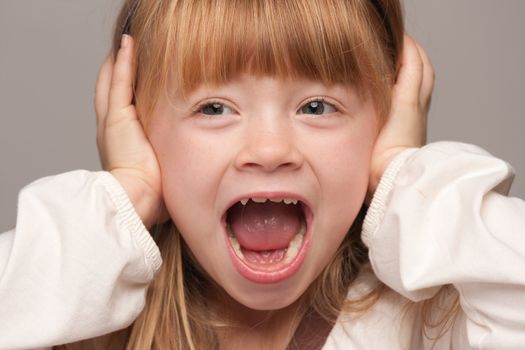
122,143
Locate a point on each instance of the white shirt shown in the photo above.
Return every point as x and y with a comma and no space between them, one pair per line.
79,262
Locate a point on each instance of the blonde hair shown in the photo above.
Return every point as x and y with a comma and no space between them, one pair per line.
354,42
212,41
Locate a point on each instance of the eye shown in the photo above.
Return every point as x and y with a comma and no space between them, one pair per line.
317,106
213,108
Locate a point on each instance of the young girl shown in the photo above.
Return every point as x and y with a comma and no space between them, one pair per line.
246,135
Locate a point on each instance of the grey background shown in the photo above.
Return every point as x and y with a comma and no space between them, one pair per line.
50,52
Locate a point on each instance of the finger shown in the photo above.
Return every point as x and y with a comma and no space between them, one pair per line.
410,76
102,89
427,85
121,90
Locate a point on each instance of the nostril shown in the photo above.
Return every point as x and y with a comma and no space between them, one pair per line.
268,167
269,161
269,151
289,165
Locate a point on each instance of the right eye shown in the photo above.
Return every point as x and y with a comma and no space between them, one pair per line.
213,108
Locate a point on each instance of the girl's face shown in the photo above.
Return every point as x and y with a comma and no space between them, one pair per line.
275,141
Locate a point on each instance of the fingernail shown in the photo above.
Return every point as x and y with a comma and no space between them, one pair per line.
124,43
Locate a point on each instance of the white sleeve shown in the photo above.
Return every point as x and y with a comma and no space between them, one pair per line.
441,216
76,266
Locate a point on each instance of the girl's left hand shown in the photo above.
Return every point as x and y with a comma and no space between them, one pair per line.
406,126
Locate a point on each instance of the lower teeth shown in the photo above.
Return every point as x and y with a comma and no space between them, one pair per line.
291,251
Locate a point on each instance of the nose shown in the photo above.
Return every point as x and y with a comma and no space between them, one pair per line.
269,148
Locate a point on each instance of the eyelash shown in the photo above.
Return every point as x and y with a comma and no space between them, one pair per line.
198,109
322,100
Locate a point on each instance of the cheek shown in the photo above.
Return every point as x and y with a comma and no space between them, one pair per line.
345,174
349,170
192,167
341,164
185,165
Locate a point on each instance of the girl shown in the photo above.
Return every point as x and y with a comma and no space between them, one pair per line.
246,141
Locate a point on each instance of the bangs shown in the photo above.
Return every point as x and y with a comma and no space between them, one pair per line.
196,42
214,41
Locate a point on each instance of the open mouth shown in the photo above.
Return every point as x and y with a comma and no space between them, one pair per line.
267,236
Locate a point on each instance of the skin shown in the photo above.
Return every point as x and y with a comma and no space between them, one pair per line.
262,143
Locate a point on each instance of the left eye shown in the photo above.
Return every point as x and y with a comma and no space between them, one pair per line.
317,107
214,108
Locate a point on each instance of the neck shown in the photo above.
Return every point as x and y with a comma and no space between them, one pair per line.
257,329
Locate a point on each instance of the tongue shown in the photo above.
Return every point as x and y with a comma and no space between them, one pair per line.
265,226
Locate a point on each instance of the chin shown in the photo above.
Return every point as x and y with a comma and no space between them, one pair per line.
268,297
268,301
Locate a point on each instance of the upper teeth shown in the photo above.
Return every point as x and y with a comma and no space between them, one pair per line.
275,200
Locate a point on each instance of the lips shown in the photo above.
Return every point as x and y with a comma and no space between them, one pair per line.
268,235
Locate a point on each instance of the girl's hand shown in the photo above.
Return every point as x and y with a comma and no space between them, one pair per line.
406,126
122,143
